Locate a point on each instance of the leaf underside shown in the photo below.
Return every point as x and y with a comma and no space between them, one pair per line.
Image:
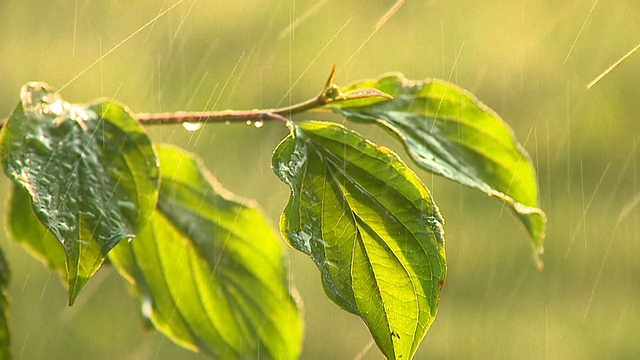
446,130
370,226
209,270
90,170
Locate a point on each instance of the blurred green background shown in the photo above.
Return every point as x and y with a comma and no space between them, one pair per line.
529,60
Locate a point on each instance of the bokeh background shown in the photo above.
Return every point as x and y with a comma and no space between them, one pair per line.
530,60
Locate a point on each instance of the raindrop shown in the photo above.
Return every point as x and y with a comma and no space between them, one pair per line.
258,124
249,122
227,122
56,108
28,97
191,126
147,306
63,227
296,296
126,205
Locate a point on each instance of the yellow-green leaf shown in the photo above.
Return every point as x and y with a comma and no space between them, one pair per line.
209,269
371,227
448,131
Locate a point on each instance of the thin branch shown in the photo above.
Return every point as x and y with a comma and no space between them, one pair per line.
331,93
278,114
227,115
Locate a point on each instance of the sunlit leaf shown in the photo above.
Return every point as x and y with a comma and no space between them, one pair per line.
370,226
27,230
209,270
446,130
5,335
90,170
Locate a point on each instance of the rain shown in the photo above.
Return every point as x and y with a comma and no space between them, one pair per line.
563,75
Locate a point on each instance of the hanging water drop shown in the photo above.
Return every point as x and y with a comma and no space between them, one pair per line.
258,124
248,122
227,122
191,126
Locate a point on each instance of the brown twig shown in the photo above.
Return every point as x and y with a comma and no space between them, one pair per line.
331,93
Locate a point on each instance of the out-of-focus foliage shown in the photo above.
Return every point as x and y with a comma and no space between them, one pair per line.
510,54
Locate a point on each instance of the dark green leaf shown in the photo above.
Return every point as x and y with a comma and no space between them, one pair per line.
90,170
446,130
371,227
25,229
5,335
209,269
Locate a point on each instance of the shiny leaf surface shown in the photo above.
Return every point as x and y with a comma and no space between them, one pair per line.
209,270
371,227
90,171
27,230
446,130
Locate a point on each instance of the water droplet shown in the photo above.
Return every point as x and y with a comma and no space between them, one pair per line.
258,124
126,205
56,108
147,306
191,126
296,296
28,97
227,122
249,122
64,227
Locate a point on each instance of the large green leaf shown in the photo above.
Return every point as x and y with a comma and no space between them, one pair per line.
5,336
446,130
371,227
27,230
90,170
209,269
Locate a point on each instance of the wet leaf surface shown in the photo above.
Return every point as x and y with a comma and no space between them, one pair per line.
209,269
90,171
448,131
27,230
371,227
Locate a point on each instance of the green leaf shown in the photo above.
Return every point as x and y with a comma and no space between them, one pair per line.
371,227
446,130
209,269
5,335
90,170
27,230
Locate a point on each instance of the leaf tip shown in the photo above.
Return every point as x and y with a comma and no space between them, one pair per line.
77,282
75,286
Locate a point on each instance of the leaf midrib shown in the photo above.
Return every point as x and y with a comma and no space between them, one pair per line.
358,221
